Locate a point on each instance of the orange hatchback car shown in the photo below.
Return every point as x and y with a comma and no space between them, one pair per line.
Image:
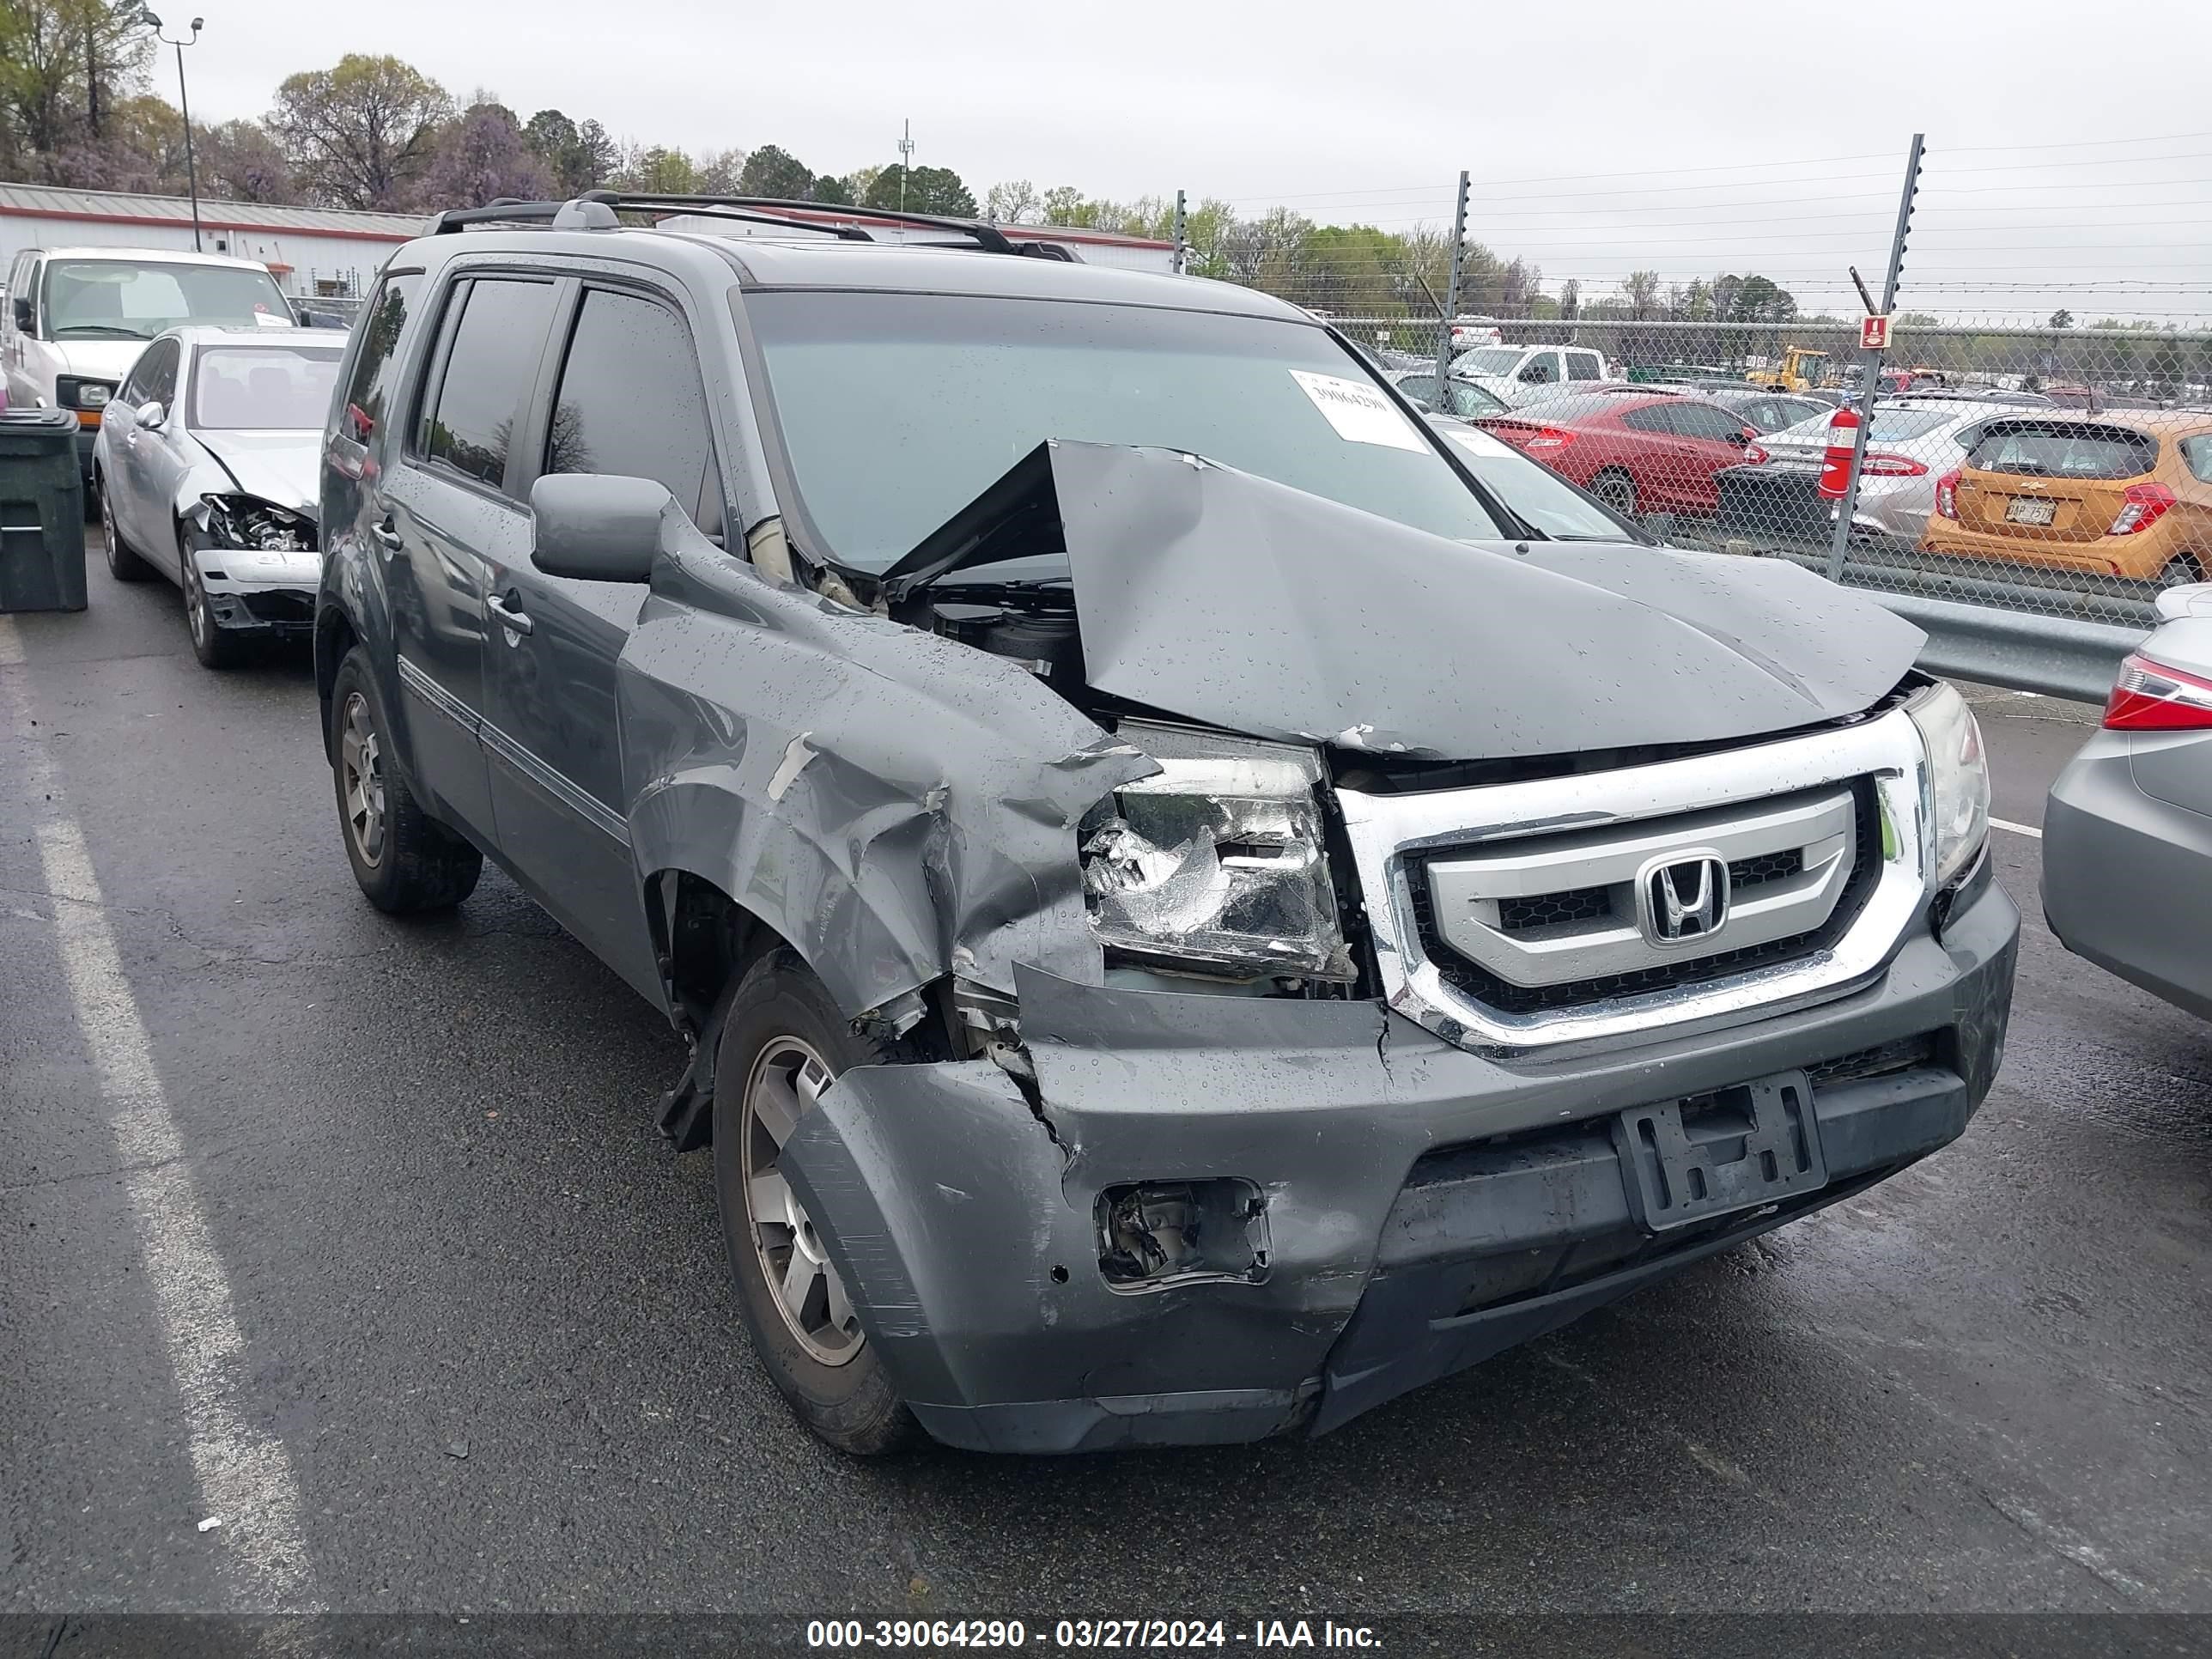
2119,496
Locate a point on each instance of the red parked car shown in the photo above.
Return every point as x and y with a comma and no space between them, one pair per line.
1636,452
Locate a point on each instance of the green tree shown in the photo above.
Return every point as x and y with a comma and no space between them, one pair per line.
837,191
776,172
929,189
658,171
2062,317
579,154
360,134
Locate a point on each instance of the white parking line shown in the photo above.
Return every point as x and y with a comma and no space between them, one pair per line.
245,1474
2017,828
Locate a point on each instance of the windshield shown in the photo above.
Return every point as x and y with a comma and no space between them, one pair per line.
1468,401
897,410
1536,493
271,388
1490,360
126,300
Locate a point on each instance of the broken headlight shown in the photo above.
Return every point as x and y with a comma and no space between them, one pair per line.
1217,864
249,521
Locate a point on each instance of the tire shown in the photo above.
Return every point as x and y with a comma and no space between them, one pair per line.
215,647
123,561
780,1021
406,861
2181,571
1617,490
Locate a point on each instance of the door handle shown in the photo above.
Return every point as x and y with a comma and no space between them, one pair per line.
387,537
514,621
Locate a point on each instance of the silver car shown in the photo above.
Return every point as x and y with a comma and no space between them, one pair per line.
1909,447
206,471
2127,833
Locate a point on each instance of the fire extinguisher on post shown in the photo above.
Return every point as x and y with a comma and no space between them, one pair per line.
1836,463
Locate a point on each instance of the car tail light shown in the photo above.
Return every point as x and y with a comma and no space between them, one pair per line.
1892,466
1947,494
2148,696
1755,456
2146,506
1550,437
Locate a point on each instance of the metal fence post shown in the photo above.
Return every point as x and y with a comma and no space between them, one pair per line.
1181,236
1451,293
1870,388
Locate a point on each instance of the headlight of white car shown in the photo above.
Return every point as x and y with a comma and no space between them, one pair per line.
1219,865
1954,792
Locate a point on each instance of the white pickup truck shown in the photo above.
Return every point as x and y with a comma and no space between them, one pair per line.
1520,373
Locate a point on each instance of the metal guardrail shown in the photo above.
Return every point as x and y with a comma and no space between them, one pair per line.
2058,656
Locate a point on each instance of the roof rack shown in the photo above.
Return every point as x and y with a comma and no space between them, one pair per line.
596,210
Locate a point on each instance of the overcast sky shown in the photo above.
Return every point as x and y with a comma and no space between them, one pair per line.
1366,113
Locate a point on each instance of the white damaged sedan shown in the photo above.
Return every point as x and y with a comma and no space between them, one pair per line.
206,471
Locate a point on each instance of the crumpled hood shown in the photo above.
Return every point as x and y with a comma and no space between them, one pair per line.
284,468
1230,599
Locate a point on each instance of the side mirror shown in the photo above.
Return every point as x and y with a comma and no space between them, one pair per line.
151,414
1739,438
595,528
23,318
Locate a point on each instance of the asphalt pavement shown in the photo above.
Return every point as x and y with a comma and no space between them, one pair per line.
361,1231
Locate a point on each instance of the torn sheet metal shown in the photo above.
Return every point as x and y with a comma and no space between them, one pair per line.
893,804
1226,598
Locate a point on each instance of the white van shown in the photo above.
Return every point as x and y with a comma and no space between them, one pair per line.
76,319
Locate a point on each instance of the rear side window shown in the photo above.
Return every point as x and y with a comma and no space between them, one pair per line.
1584,366
1652,417
1707,421
368,394
2063,449
631,403
490,367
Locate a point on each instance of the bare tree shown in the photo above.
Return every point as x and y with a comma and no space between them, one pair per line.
361,134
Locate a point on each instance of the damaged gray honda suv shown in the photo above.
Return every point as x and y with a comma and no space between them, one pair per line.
1190,918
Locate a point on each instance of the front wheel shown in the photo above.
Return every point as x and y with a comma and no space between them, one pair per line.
406,861
783,1042
216,646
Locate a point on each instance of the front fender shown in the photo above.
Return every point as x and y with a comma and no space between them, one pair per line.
894,805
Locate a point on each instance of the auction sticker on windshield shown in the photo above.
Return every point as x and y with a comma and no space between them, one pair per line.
1360,413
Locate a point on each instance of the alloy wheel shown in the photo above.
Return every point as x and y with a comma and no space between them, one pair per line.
196,610
786,1080
361,765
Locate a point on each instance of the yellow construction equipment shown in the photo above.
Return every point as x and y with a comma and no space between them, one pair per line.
1801,369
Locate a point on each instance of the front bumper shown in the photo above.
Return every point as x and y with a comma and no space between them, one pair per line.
2126,877
1406,1238
269,595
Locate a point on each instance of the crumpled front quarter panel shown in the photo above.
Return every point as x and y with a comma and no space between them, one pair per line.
896,806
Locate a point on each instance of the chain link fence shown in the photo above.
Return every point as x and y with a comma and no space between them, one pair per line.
2047,471
2060,472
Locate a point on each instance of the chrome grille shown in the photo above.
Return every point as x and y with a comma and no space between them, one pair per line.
1521,915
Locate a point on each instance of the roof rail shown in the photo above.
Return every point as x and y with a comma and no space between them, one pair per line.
595,210
809,215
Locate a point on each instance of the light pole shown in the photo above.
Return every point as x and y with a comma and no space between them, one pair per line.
906,160
185,103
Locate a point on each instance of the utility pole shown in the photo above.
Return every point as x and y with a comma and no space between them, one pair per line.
1870,386
1181,231
906,160
185,103
1451,295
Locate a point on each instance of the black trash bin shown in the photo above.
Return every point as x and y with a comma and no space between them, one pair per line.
41,512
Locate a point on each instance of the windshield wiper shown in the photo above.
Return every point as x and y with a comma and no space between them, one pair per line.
115,329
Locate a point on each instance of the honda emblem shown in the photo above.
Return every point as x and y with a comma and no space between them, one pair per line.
1684,899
